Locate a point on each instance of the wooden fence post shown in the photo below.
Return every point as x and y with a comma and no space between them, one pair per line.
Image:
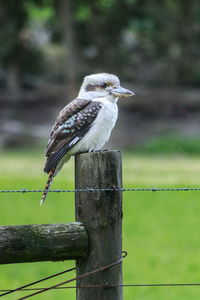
101,214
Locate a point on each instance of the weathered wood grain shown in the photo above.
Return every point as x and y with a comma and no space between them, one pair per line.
101,214
32,243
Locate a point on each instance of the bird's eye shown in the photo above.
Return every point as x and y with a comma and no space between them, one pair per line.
103,85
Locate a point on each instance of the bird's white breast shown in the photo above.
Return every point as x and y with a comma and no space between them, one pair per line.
101,129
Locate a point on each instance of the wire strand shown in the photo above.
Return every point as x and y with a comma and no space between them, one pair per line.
38,281
108,285
76,278
113,189
24,287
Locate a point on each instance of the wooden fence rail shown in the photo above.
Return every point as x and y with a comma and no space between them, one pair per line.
32,243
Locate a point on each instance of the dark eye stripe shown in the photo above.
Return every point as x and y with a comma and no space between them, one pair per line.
91,87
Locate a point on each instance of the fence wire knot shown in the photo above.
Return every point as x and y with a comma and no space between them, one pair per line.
90,189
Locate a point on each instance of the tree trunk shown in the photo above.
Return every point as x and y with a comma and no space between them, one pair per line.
65,12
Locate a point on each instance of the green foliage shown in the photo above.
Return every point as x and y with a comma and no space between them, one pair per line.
100,24
165,34
141,40
13,18
18,51
151,38
42,11
82,12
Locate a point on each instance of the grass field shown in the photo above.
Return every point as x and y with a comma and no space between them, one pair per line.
161,230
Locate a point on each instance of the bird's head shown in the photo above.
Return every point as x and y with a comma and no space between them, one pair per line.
103,85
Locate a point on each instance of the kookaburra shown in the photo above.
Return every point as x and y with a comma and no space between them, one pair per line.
85,124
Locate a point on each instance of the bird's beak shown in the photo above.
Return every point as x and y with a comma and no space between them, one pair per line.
121,92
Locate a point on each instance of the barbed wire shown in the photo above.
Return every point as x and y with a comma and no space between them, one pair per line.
112,189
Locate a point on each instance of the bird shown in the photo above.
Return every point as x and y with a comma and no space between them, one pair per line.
85,124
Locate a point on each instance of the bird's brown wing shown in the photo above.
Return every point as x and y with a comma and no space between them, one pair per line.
65,114
71,125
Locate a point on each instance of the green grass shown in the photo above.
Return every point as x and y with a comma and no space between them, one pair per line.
160,229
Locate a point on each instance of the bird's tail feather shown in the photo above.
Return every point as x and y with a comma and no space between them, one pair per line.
48,184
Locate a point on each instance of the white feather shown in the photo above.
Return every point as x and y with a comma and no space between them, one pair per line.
101,129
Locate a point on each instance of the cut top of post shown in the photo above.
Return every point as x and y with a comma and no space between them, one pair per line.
104,167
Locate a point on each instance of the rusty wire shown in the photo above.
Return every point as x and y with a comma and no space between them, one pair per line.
76,278
60,287
41,290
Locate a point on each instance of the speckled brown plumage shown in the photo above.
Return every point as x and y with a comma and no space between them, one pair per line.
72,123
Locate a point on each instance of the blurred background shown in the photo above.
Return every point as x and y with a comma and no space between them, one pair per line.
46,48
